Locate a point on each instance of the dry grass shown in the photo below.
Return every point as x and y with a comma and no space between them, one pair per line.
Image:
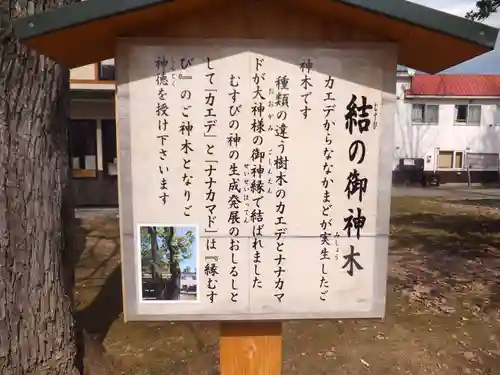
443,305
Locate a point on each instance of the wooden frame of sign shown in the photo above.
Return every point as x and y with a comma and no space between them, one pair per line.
317,268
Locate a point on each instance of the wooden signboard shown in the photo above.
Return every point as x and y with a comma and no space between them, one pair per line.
254,178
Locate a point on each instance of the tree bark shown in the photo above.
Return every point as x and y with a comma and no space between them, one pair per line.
156,271
155,275
37,333
174,283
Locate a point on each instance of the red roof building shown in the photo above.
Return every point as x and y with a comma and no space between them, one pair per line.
454,85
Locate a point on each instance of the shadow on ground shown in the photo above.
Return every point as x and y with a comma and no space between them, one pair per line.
439,254
98,276
448,250
182,348
480,202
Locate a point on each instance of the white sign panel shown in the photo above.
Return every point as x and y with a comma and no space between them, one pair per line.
254,180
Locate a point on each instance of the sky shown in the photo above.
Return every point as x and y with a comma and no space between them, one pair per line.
488,63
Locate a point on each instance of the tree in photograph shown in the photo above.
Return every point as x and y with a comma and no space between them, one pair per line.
152,261
483,9
37,332
161,253
177,248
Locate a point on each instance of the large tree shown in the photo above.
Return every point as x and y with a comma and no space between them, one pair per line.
37,333
484,9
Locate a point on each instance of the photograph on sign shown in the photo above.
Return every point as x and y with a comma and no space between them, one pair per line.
169,263
275,159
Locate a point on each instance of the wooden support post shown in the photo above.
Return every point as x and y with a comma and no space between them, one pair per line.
250,348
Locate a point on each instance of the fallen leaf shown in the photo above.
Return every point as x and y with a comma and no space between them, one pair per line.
364,362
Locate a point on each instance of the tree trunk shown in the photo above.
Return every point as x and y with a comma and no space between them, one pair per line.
37,334
154,255
156,271
174,283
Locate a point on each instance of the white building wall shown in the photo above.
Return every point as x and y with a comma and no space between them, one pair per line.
423,141
411,141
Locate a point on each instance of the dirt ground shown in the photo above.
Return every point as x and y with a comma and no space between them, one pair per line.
442,315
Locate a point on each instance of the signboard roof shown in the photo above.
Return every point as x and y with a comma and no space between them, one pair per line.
86,32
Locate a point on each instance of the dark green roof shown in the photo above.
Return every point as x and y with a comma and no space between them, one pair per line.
85,32
431,19
92,10
77,14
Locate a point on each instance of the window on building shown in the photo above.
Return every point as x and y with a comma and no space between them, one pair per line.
425,113
451,159
83,148
106,70
497,115
467,114
109,147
